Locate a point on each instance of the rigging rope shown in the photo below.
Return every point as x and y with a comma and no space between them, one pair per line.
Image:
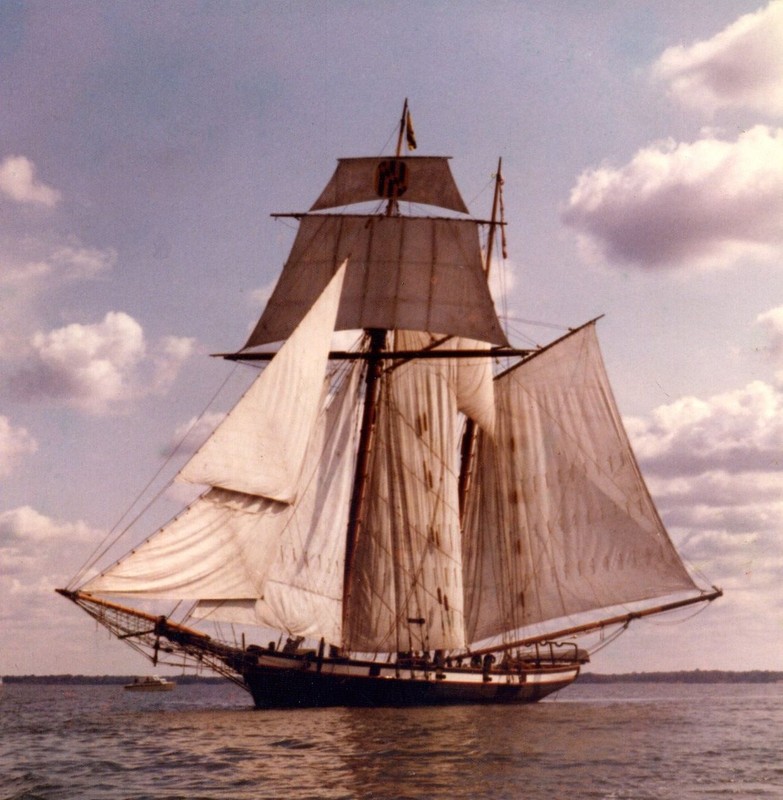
114,535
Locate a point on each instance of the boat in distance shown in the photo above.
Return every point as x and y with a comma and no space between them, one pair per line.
150,683
432,516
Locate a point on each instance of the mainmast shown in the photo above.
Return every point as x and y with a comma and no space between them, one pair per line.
377,338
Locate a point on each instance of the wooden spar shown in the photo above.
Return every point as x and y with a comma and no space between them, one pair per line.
402,127
494,217
620,619
471,431
539,350
390,355
79,598
366,438
391,206
300,214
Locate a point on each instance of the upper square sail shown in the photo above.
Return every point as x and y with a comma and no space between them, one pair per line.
416,179
404,273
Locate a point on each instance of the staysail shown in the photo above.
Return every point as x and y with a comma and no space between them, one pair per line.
259,448
559,521
233,549
399,502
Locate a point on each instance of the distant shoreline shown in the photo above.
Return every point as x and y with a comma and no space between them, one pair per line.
686,676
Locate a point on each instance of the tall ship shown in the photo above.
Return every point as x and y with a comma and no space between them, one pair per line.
430,516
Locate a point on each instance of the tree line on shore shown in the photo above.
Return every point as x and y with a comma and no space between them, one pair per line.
685,676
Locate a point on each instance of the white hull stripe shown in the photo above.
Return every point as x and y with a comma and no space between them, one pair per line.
542,677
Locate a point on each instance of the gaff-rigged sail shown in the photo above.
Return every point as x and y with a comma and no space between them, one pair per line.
559,521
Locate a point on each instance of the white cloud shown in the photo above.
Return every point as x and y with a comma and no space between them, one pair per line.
771,322
74,261
25,524
18,181
38,553
740,67
31,271
14,443
701,204
715,469
99,367
737,431
69,262
171,352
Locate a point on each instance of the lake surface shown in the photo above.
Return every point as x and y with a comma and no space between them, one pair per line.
619,741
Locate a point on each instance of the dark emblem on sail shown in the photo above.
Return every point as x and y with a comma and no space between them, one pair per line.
391,178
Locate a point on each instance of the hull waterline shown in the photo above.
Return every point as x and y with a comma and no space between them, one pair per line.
277,681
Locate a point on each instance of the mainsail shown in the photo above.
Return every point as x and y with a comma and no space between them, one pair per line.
560,521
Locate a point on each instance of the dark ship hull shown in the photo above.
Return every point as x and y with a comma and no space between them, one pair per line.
279,680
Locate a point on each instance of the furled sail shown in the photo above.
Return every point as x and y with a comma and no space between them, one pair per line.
416,179
404,273
559,520
406,591
259,448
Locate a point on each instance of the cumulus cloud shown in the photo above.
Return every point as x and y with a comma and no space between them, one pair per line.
701,204
714,467
771,322
25,524
18,181
740,67
99,367
37,555
74,261
69,262
737,431
14,443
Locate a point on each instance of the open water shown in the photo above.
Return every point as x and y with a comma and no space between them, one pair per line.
619,741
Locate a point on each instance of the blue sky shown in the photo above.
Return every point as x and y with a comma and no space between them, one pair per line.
144,145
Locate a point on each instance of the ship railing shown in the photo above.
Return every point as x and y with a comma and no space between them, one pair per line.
544,654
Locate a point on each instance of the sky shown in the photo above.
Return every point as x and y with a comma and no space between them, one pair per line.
144,146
